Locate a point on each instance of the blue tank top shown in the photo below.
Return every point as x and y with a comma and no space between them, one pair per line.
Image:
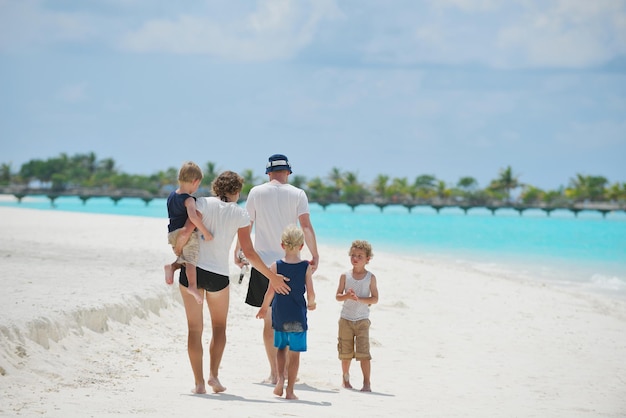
176,210
289,311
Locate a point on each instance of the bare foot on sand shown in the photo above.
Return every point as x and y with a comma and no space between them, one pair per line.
194,292
290,395
199,389
215,384
270,380
280,384
169,273
366,388
346,381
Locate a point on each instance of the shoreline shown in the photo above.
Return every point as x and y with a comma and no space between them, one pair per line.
547,274
603,208
446,340
601,271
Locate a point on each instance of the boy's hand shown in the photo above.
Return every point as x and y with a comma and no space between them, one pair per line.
261,313
314,262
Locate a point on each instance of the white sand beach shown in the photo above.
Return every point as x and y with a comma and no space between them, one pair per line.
88,328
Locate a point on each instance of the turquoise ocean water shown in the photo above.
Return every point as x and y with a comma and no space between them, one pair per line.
587,250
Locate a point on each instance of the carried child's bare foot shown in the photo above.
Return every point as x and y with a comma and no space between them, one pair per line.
366,388
199,389
195,293
169,273
346,381
280,384
216,385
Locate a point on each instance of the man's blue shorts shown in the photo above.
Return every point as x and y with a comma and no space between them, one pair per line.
295,340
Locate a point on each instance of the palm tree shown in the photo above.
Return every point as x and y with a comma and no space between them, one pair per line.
399,190
442,191
468,184
319,192
5,173
168,177
353,191
107,165
210,173
531,195
336,178
380,186
555,198
617,192
425,186
465,188
81,169
30,170
105,170
298,181
506,181
249,180
583,188
86,170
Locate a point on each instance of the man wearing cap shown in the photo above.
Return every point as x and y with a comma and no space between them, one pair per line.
272,206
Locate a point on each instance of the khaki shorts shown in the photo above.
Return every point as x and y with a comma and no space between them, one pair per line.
354,339
191,250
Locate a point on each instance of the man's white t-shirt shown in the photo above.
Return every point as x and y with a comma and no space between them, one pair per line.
272,206
222,219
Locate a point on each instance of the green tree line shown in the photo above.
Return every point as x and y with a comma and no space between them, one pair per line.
63,173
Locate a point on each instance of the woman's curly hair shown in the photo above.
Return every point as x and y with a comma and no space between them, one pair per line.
227,183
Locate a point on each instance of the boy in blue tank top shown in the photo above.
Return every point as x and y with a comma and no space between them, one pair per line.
289,319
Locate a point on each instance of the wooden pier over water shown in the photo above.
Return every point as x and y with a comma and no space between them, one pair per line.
437,204
83,194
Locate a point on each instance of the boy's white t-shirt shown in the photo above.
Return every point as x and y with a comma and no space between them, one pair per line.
353,310
222,219
272,206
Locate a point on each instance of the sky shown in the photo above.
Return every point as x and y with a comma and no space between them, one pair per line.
403,88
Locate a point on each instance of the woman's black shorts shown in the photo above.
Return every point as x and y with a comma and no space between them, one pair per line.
207,280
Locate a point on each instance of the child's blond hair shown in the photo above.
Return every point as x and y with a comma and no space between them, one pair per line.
362,245
292,237
189,172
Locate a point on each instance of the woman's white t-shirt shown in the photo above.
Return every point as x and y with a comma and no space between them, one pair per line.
222,219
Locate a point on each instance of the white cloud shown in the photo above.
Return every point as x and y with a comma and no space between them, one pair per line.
512,34
26,24
572,34
272,17
469,5
275,30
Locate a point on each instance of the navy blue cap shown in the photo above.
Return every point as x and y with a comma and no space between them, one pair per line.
277,162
